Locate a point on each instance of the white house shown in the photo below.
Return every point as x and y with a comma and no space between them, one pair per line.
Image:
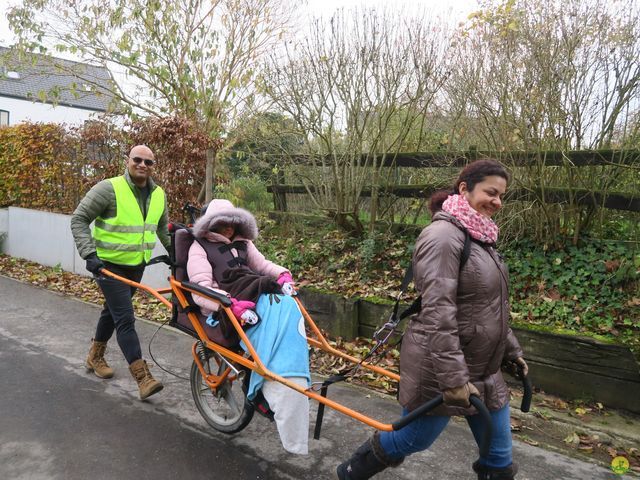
47,89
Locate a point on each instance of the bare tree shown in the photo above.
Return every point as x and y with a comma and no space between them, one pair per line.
356,86
549,75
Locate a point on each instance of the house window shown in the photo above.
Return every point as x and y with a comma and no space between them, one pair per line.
4,118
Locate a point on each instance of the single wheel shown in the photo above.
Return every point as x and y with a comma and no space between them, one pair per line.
227,410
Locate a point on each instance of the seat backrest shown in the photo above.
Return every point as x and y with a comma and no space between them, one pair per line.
182,240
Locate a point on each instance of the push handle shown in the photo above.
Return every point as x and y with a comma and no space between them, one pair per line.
528,390
418,412
487,436
485,443
517,371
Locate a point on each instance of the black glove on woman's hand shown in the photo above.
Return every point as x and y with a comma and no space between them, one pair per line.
94,264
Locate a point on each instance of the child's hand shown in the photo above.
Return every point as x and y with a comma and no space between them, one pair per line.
288,289
240,307
285,280
249,317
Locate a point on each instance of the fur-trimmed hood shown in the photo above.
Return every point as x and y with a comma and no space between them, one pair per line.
222,211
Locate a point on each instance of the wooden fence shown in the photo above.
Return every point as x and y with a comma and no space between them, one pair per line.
581,158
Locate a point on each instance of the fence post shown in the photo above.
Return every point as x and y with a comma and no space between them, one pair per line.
473,153
279,197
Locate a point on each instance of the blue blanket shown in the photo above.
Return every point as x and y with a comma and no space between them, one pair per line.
279,340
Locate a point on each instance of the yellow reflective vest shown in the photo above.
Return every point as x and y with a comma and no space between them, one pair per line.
128,239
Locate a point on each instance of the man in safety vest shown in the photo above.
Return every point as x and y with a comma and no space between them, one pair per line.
130,213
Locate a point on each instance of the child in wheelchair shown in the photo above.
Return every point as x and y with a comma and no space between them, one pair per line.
224,258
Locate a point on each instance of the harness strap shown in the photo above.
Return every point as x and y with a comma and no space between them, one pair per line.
188,309
237,262
224,248
416,306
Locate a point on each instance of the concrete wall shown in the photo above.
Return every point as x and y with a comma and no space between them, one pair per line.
46,238
4,224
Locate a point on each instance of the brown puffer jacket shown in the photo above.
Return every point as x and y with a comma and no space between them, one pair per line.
462,332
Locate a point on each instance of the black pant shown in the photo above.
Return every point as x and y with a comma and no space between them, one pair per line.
117,313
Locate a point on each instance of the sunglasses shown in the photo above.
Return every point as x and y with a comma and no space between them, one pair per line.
147,161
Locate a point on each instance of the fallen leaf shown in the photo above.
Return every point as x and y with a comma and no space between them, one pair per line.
572,439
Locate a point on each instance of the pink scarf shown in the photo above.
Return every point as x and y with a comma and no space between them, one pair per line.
480,227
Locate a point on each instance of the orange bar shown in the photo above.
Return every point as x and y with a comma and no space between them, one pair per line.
131,283
323,344
213,381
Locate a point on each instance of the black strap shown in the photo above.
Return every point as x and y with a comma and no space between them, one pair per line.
416,306
237,262
238,245
320,415
188,309
323,393
466,249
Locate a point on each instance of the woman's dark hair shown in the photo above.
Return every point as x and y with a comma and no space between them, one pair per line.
472,174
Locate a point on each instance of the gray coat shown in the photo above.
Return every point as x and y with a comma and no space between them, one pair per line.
462,332
100,201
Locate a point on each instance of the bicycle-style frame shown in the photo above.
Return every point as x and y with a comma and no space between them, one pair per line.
253,362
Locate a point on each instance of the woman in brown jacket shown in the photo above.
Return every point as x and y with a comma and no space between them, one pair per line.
460,338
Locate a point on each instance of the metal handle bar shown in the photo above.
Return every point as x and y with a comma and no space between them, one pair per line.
485,444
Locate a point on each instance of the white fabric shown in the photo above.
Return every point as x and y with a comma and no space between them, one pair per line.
291,411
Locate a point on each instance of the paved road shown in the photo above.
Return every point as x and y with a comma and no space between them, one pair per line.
58,422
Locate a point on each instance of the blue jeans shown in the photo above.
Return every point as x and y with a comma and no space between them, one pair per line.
422,432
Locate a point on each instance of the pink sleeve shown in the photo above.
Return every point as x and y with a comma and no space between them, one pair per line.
200,272
261,265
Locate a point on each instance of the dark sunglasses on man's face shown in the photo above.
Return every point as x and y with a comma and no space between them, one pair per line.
147,161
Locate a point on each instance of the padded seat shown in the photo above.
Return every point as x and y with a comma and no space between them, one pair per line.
223,333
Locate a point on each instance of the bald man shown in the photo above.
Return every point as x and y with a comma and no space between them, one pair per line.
130,214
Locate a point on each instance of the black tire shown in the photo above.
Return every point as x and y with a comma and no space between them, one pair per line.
227,410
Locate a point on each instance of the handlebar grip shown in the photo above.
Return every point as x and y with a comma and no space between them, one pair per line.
487,436
418,412
528,392
485,444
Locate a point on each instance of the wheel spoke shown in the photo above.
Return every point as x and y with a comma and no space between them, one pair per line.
232,402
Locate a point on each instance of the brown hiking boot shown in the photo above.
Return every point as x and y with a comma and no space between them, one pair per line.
146,383
95,361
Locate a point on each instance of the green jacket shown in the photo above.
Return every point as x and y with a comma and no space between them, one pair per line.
100,201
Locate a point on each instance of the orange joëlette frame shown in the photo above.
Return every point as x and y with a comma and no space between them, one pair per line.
254,363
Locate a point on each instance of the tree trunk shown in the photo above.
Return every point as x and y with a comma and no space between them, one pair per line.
210,174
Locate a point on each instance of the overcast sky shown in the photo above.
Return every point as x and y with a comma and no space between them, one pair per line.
457,10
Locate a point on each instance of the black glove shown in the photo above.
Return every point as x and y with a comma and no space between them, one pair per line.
94,264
